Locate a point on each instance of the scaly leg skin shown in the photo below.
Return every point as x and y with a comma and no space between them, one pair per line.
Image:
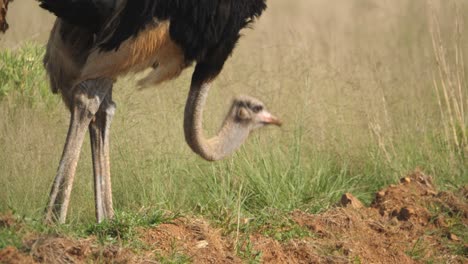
87,97
99,130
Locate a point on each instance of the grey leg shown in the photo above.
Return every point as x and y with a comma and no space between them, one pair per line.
99,133
87,97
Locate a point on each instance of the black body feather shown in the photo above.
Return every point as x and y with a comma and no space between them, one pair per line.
206,30
88,14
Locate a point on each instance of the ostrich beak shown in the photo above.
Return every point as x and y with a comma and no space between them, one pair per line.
269,119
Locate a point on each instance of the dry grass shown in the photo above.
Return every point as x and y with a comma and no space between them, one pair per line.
450,83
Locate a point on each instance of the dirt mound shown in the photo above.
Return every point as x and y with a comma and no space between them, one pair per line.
47,249
194,239
65,250
406,223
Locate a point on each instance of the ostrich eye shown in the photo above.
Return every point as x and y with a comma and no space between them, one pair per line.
257,108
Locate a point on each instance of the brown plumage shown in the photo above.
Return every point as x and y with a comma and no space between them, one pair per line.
70,59
151,47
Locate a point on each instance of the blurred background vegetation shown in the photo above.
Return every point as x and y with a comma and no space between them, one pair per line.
368,91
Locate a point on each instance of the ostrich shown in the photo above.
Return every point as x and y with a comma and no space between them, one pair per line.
3,14
95,41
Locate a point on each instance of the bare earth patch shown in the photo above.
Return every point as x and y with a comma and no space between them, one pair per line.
406,223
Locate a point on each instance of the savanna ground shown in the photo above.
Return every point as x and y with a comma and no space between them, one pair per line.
368,91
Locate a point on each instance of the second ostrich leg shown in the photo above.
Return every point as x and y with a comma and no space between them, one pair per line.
85,102
99,134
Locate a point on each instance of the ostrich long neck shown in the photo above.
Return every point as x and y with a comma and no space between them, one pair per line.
229,138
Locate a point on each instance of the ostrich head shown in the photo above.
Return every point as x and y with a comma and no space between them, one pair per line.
251,113
246,114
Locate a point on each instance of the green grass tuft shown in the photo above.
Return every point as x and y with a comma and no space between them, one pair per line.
122,229
22,76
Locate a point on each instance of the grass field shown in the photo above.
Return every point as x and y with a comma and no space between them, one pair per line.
368,91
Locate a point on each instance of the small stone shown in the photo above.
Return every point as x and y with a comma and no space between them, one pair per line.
202,244
392,186
405,214
405,180
380,194
453,237
348,200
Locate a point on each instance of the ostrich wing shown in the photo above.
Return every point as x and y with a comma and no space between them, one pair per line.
89,14
195,24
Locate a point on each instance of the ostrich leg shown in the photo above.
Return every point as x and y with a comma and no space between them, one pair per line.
99,133
86,99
